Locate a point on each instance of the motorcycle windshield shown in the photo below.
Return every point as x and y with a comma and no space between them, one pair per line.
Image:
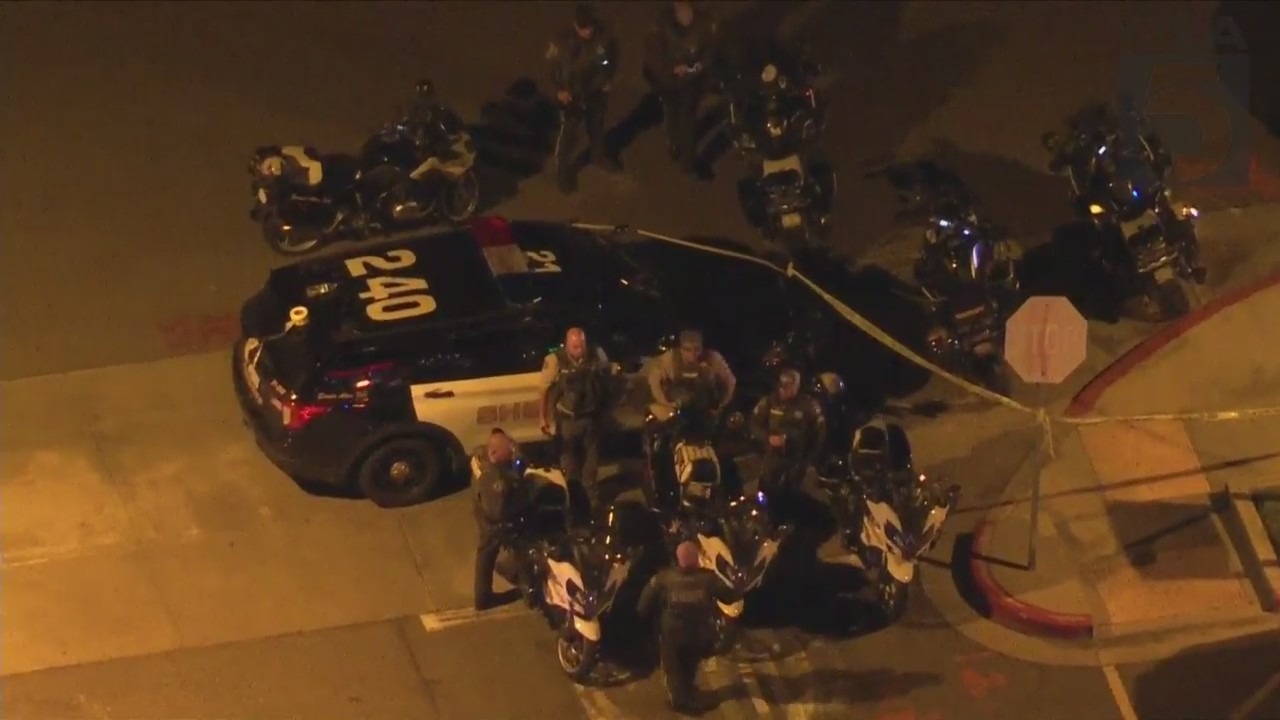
981,259
602,564
748,530
1137,183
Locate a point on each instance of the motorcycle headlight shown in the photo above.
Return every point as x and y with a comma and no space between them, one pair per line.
1096,209
775,128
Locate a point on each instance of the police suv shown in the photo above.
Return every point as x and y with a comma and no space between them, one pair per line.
381,368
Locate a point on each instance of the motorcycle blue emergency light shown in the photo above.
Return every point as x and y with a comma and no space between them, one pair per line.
1134,193
760,497
943,223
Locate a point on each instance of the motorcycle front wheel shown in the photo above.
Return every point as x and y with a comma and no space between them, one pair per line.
724,634
461,197
288,240
577,654
891,597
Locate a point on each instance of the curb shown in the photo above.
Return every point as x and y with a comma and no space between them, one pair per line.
1013,613
1253,546
1088,397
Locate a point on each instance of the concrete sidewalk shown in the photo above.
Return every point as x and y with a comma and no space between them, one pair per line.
1150,526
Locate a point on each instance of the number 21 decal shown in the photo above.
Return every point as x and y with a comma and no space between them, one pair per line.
392,298
543,261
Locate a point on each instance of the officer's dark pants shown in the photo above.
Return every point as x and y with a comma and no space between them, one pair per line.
487,549
680,114
681,653
781,480
574,119
580,461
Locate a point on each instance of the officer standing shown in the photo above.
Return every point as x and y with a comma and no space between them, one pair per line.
575,399
583,64
793,429
692,373
679,56
687,595
499,488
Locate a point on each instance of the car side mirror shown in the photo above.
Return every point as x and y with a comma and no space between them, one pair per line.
1051,141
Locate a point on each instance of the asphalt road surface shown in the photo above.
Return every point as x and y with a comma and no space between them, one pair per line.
155,566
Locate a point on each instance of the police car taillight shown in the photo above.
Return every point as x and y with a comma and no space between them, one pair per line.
297,415
358,378
492,232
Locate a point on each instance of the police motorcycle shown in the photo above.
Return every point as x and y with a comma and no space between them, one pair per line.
1118,176
573,578
888,515
304,199
967,271
683,470
739,545
774,124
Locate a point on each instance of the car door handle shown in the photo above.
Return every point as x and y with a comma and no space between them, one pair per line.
438,394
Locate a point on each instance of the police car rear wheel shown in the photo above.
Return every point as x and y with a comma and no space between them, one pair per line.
401,472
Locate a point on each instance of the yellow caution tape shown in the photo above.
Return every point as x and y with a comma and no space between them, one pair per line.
1042,417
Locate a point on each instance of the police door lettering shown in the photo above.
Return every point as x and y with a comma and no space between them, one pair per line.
392,298
543,261
507,412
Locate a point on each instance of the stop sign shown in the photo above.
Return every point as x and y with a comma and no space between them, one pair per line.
1045,340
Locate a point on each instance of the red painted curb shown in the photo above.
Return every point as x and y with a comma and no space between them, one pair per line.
1088,397
1013,613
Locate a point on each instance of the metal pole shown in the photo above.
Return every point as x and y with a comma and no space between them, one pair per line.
1035,492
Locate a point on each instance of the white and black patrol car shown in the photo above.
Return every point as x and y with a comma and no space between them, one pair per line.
380,368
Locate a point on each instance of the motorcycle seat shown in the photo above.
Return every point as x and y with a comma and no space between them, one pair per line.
340,171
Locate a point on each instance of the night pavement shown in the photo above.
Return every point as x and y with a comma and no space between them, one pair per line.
140,521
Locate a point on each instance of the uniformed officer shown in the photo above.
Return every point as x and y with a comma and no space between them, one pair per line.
687,595
793,429
679,56
575,398
583,63
692,373
499,490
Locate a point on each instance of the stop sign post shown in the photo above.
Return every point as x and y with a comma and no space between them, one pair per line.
1044,342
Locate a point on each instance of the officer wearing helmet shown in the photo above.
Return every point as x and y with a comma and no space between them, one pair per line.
499,492
575,399
687,595
792,427
584,60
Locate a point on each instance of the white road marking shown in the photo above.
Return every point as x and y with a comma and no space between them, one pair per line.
597,705
445,619
1262,695
1119,693
49,553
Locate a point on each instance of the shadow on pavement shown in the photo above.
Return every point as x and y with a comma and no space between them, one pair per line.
1069,264
1256,23
514,138
1234,679
891,305
1150,529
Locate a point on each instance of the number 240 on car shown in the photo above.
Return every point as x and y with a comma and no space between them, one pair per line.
391,298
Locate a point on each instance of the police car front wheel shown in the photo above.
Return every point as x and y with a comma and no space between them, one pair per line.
401,472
